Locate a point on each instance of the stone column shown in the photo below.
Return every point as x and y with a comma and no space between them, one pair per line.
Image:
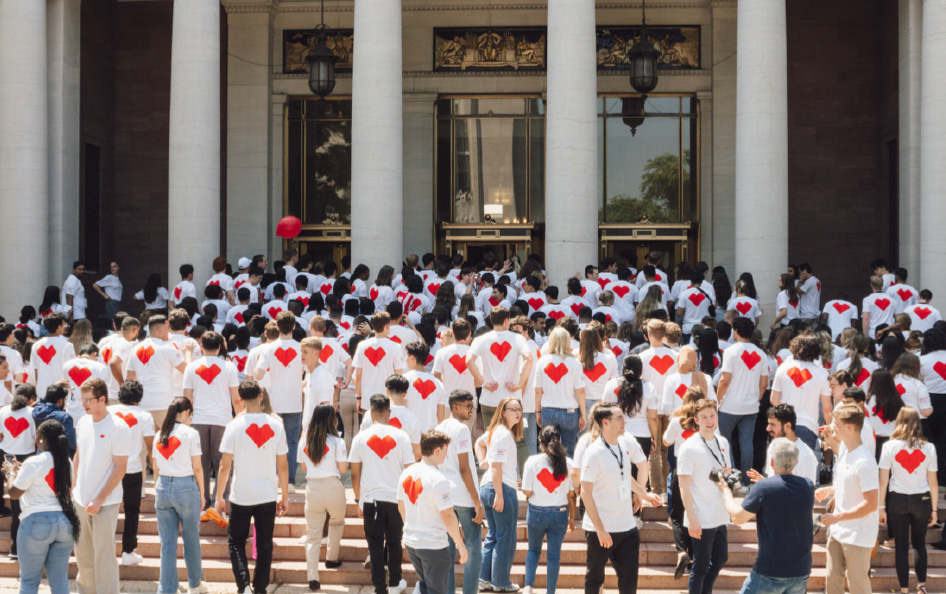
911,27
63,31
377,162
719,248
194,163
761,225
24,154
571,153
932,149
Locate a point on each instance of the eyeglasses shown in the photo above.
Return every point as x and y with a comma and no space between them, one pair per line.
517,409
88,400
466,406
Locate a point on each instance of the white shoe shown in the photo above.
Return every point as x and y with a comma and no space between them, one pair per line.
303,538
131,558
292,488
398,589
201,589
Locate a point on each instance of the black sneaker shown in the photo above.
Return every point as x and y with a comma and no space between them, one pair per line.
682,561
939,546
333,564
314,586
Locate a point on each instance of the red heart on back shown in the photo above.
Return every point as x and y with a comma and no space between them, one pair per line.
910,460
16,426
799,376
536,303
493,301
661,364
79,374
325,289
394,422
260,434
940,368
621,291
274,311
46,353
208,374
458,362
433,288
548,480
556,314
238,316
240,362
603,282
751,359
583,291
130,419
616,350
107,355
744,307
595,372
144,354
412,488
177,293
373,294
168,450
862,377
681,390
424,387
883,304
697,298
500,350
576,307
51,479
922,312
284,356
381,445
326,352
901,389
841,307
556,372
375,354
905,294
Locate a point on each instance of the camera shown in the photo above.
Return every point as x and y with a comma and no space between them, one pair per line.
733,479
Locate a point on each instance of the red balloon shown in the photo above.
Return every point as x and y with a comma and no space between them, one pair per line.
289,227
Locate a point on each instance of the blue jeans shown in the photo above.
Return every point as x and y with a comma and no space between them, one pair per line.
44,540
473,540
566,419
745,426
499,548
710,554
531,435
292,422
177,504
760,584
553,523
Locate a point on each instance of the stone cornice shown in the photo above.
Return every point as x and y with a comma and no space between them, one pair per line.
251,6
503,74
288,6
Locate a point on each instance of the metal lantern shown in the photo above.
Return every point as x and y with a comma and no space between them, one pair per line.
643,61
632,108
322,66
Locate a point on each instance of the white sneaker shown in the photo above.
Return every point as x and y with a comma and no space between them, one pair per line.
303,538
398,589
131,558
201,589
292,488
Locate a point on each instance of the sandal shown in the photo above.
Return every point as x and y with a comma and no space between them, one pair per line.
921,589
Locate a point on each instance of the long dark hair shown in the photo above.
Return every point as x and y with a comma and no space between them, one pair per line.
57,444
708,350
891,349
933,340
886,397
179,405
551,442
788,285
631,391
322,425
152,286
51,296
746,277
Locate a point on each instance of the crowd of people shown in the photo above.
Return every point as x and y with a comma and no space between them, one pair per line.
446,390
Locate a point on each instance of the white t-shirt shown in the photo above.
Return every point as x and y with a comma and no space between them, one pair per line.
547,489
556,311
177,459
922,316
810,306
48,356
183,343
903,295
659,276
377,358
934,371
318,388
283,362
677,434
881,308
153,362
160,300
603,468
881,426
77,371
255,440
746,306
658,364
73,286
676,386
840,315
381,295
501,449
97,443
116,348
913,392
636,423
747,364
605,368
695,305
589,292
211,379
140,425
334,453
536,301
625,296
499,354
909,467
424,395
791,309
807,466
855,473
35,479
695,458
802,385
459,451
862,380
383,451
333,357
559,379
112,286
221,280
401,418
182,290
450,361
237,315
425,492
664,293
18,430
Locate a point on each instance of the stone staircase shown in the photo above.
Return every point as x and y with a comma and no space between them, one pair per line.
657,556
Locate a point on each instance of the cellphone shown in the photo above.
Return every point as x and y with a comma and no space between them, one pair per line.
9,458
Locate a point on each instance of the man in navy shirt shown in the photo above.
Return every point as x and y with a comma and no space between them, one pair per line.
782,507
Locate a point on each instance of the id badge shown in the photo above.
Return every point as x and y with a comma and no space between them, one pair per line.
624,491
525,422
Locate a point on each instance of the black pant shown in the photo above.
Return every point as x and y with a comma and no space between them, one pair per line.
880,446
131,501
383,530
624,555
710,553
681,536
760,436
907,520
264,519
934,428
15,509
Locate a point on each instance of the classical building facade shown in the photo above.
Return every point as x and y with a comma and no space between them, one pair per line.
158,132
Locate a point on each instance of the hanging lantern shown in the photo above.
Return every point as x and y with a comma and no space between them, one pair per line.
643,61
322,62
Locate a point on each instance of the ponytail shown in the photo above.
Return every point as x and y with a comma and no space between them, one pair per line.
631,391
57,443
551,442
179,405
859,346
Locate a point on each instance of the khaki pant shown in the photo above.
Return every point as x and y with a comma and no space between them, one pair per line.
659,468
158,416
95,551
851,560
323,496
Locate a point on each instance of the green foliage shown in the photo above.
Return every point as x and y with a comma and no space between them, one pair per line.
659,192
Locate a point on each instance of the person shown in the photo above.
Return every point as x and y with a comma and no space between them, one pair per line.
560,389
705,517
852,526
878,308
839,314
908,376
884,404
638,401
49,524
379,454
681,428
451,369
396,388
922,314
693,305
744,301
743,381
598,364
426,398
659,362
377,359
802,383
908,467
18,436
933,368
50,353
608,488
499,495
903,295
500,362
809,291
460,470
781,424
141,431
154,296
786,302
110,288
152,363
76,371
179,492
74,292
324,460
423,500
52,407
551,514
104,444
858,364
254,445
781,506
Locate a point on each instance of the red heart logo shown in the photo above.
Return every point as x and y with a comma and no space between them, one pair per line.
940,368
883,304
430,359
373,294
910,461
284,356
144,354
424,387
536,303
51,479
595,372
922,312
274,311
396,339
46,353
778,359
500,350
661,364
240,362
793,302
381,446
238,316
744,308
621,291
326,289
130,419
394,422
208,374
751,359
459,363
862,377
556,372
238,284
556,314
799,376
905,294
216,282
326,352
345,325
841,307
375,354
304,300
697,298
879,413
583,291
603,282
16,426
78,375
412,488
819,286
681,390
616,350
168,450
688,434
548,480
177,293
576,307
260,434
901,389
433,288
107,355
353,289
493,301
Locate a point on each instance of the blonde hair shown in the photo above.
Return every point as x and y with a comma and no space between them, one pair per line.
850,414
560,343
594,429
81,334
606,298
311,342
446,338
908,428
674,333
517,430
687,411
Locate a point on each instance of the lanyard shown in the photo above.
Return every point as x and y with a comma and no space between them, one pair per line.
721,464
620,460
